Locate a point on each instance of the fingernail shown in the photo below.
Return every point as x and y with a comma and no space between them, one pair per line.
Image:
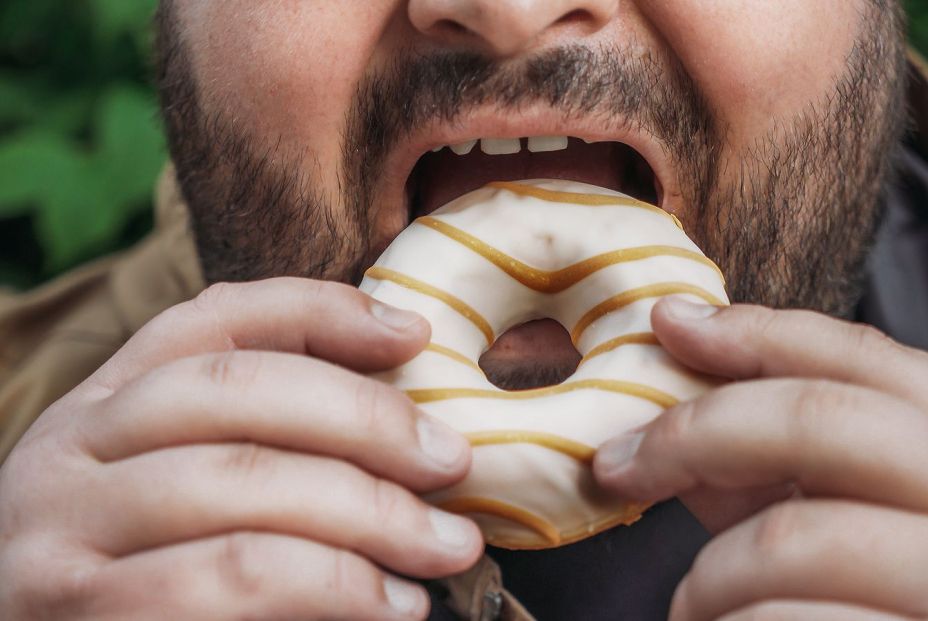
392,317
440,442
619,452
402,596
452,530
681,309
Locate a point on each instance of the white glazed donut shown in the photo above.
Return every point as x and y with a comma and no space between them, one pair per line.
592,259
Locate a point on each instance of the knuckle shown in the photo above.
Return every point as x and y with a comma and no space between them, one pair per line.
676,425
815,403
239,563
766,323
343,577
213,297
373,405
330,290
246,459
16,589
871,340
232,368
58,592
17,475
163,321
777,531
203,311
919,356
72,589
321,294
26,487
389,501
324,289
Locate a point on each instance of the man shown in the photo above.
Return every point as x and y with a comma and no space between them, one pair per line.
226,458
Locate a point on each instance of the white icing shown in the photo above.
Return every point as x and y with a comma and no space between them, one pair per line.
546,235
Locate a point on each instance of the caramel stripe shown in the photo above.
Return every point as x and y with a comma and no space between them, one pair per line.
577,450
454,355
498,508
429,395
637,338
629,514
557,280
578,198
468,312
650,291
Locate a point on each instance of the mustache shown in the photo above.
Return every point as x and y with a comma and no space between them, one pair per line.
617,86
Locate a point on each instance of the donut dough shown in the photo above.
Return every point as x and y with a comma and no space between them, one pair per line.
592,259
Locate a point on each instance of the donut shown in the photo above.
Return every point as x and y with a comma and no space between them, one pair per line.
592,259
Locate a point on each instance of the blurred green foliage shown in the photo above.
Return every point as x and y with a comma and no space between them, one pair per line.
80,144
918,23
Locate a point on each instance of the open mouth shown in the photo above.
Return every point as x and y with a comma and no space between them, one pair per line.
538,353
450,171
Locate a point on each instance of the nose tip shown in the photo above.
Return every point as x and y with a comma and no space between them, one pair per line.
506,27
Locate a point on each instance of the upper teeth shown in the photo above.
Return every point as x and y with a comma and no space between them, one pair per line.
463,148
508,146
540,144
500,146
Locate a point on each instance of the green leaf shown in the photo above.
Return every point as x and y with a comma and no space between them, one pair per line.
88,206
115,17
48,175
31,164
68,113
83,199
17,99
76,218
131,149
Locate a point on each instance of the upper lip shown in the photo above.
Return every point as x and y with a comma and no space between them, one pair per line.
492,123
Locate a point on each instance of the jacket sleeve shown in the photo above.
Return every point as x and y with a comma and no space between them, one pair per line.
53,338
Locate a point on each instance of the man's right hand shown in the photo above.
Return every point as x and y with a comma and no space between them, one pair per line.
229,462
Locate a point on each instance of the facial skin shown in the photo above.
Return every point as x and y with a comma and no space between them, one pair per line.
769,124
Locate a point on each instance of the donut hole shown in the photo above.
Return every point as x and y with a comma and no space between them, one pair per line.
532,355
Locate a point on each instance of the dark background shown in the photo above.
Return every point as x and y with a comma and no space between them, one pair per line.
80,143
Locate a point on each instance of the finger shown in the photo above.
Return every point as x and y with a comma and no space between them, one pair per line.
785,610
719,510
824,550
185,493
825,437
744,342
282,400
250,575
325,320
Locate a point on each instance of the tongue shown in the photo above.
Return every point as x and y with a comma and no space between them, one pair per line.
441,177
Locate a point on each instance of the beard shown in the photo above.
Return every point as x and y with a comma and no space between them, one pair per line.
791,228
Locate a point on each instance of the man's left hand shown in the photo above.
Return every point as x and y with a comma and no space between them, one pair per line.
812,466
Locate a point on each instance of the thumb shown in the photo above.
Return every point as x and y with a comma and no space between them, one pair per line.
325,320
